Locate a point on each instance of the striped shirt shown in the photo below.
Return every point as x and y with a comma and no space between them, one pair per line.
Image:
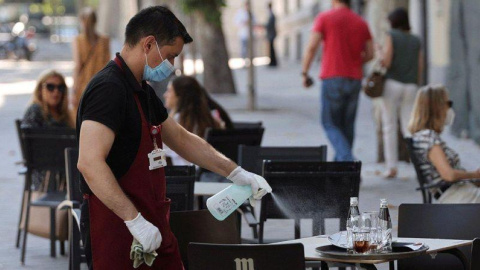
423,141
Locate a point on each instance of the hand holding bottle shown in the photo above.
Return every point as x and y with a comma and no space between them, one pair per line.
259,185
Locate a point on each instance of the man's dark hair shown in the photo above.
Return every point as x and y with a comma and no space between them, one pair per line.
346,2
157,21
399,19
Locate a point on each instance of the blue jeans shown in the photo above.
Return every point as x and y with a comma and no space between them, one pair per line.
339,101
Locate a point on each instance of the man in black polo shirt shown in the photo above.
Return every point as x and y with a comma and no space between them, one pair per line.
121,125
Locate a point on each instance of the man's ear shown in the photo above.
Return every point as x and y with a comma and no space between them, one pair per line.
148,43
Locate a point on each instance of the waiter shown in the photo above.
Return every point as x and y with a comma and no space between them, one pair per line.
121,126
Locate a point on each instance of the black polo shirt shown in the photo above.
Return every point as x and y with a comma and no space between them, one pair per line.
109,100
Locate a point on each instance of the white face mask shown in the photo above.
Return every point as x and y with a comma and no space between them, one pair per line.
450,117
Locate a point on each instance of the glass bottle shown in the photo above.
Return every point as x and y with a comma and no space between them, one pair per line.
385,226
352,220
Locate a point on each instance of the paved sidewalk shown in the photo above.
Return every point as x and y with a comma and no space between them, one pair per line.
289,113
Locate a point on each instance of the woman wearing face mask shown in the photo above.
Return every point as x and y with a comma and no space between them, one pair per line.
49,107
188,105
432,111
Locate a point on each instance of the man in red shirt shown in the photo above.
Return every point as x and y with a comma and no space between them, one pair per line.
347,44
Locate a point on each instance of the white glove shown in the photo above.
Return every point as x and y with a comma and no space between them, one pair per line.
145,232
259,185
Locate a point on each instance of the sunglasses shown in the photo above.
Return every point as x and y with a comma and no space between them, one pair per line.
450,104
60,87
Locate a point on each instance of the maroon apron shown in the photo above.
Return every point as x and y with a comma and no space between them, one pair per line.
110,238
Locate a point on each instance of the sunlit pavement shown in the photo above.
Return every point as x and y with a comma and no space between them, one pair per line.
289,113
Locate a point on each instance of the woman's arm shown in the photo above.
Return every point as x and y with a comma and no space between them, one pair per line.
420,68
387,53
449,174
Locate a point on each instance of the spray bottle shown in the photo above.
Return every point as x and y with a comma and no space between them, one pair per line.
222,204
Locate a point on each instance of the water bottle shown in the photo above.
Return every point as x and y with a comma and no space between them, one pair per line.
385,226
222,204
352,220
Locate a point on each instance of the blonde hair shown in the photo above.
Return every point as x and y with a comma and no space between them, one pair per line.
89,18
62,107
429,109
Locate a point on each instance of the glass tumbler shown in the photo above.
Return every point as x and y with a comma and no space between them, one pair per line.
370,222
361,241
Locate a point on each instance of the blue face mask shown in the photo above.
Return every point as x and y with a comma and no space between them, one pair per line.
160,72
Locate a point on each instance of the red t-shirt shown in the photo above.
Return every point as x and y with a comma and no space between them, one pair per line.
344,36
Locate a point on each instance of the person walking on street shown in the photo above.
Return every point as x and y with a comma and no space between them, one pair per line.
91,52
402,57
121,125
271,35
347,44
241,20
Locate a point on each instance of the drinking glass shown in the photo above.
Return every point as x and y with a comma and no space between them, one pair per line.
370,221
361,241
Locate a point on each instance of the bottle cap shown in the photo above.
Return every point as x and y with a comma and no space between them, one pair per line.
353,200
383,202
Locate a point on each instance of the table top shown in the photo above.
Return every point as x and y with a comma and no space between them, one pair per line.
209,188
310,243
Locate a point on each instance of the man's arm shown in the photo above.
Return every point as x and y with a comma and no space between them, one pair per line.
368,53
195,149
95,143
312,47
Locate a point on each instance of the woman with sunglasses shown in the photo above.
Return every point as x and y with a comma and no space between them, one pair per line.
49,106
431,112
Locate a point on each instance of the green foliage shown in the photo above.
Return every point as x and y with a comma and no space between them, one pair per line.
210,9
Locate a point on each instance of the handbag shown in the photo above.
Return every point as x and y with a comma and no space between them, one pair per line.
374,85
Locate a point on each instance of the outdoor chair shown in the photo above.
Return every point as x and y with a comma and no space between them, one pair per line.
251,159
309,190
201,226
475,254
447,221
246,257
23,172
73,203
428,190
226,141
44,152
239,125
180,186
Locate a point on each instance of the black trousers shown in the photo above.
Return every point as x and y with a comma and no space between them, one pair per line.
273,56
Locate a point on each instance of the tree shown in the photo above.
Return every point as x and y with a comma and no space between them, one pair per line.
218,77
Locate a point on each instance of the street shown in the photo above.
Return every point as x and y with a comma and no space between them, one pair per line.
289,113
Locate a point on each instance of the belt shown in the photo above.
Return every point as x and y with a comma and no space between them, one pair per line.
440,191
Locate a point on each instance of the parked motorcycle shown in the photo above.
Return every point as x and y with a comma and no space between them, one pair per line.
20,44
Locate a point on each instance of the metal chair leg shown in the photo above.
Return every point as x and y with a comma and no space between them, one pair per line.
25,229
19,230
260,232
53,236
62,248
297,228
